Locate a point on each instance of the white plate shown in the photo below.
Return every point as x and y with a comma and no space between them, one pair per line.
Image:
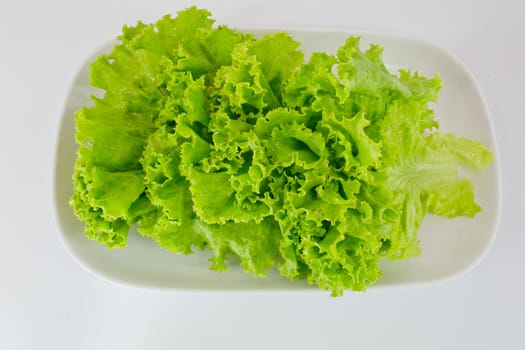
450,247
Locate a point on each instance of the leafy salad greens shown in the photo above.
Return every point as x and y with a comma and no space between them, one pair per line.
209,138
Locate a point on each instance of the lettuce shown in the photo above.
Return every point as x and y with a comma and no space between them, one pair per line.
208,138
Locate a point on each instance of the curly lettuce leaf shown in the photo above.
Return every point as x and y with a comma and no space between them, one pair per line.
278,57
206,138
254,243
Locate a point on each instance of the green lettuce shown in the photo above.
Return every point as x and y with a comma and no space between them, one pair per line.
208,138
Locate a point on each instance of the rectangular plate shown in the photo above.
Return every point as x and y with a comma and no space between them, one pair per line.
450,247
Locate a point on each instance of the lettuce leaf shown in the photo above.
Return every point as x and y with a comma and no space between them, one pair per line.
207,138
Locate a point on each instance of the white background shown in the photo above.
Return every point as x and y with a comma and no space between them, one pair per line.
47,301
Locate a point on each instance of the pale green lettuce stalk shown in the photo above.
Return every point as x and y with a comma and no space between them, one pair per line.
207,138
